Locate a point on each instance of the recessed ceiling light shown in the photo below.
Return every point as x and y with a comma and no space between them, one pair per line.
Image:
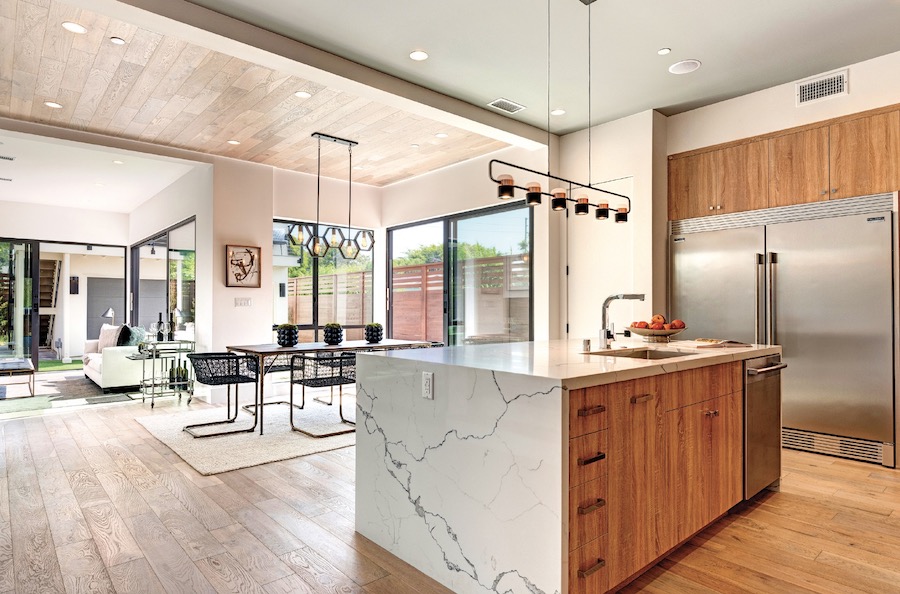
53,104
74,27
441,135
414,145
234,142
117,41
117,162
359,167
684,66
98,184
303,94
663,51
418,55
558,112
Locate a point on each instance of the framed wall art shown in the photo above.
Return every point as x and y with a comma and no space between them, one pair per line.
242,266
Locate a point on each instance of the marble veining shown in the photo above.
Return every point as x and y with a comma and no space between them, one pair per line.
465,487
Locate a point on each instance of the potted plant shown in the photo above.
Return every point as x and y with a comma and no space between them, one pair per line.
334,333
287,335
374,332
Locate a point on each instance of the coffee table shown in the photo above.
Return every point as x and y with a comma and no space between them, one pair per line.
17,367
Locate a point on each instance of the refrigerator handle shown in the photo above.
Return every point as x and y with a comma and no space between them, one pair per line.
760,263
773,260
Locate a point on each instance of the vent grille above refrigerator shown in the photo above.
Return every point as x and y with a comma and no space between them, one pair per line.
822,87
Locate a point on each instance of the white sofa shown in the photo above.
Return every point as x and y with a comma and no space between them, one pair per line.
111,369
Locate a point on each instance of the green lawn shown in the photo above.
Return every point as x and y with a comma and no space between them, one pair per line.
60,366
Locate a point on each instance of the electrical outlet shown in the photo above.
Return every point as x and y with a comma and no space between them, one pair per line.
428,385
242,302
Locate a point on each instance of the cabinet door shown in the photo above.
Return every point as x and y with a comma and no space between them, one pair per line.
725,461
798,167
686,472
742,177
638,530
865,156
692,186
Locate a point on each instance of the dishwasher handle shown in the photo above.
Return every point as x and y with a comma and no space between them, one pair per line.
762,370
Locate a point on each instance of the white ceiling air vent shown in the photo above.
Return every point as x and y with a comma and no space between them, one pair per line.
506,106
7,158
822,87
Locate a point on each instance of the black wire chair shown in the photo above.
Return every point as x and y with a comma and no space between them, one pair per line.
275,365
318,371
219,369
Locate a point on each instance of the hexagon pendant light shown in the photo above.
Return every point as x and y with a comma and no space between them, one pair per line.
560,197
334,237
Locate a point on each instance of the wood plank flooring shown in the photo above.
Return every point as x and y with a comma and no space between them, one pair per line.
91,502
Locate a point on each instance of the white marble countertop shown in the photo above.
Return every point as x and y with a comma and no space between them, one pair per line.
564,359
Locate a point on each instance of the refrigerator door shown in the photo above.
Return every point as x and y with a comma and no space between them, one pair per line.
831,292
717,283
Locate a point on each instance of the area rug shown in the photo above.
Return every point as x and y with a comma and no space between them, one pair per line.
213,455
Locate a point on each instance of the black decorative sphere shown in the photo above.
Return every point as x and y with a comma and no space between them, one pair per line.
374,333
288,336
333,334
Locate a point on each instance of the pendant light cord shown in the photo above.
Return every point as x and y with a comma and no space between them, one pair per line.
318,182
350,191
548,93
590,145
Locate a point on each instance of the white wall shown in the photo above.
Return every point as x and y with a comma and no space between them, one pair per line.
873,83
21,220
295,199
605,258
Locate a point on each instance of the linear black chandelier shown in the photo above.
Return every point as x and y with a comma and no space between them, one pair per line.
318,245
561,196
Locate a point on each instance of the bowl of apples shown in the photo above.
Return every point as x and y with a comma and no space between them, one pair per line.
657,329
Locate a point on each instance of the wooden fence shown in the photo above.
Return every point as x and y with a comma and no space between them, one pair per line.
344,298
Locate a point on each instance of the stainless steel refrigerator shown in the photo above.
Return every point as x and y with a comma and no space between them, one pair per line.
822,287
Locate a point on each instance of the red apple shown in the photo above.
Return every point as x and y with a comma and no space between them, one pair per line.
667,326
658,318
640,325
677,324
656,326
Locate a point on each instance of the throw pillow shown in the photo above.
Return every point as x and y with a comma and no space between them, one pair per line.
124,336
109,337
138,335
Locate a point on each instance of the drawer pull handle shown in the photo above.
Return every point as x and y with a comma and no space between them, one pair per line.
586,412
583,573
584,510
711,413
642,398
586,461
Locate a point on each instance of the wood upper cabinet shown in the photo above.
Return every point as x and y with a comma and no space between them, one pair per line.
639,515
704,470
741,175
692,186
865,156
798,167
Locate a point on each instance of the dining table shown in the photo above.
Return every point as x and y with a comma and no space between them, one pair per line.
269,355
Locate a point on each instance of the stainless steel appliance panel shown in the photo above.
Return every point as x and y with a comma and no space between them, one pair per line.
762,423
717,283
831,293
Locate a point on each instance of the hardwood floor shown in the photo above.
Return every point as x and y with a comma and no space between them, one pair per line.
91,502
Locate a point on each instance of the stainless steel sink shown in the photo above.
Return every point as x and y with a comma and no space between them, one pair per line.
649,354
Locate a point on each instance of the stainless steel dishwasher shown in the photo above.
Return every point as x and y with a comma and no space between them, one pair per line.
762,423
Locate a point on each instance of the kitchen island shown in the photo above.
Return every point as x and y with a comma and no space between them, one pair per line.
538,468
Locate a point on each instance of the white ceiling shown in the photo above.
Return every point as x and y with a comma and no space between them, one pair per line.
80,175
481,50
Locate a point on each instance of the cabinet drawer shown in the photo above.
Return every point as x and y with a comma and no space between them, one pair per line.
587,410
587,457
587,512
588,573
685,388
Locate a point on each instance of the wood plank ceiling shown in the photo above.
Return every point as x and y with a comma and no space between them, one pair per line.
160,89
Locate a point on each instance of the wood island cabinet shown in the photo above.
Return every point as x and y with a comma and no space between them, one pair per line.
671,465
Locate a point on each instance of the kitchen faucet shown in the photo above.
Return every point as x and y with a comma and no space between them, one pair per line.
604,321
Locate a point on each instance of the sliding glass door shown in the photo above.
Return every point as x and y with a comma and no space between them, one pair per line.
416,304
18,304
464,279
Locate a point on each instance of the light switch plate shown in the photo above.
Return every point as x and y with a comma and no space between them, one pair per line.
428,385
242,302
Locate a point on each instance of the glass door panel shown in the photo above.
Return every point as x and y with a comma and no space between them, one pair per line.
152,295
182,280
416,305
489,284
18,309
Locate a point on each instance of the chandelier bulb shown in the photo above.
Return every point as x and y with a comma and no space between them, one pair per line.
558,202
622,215
506,187
533,195
602,212
582,207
